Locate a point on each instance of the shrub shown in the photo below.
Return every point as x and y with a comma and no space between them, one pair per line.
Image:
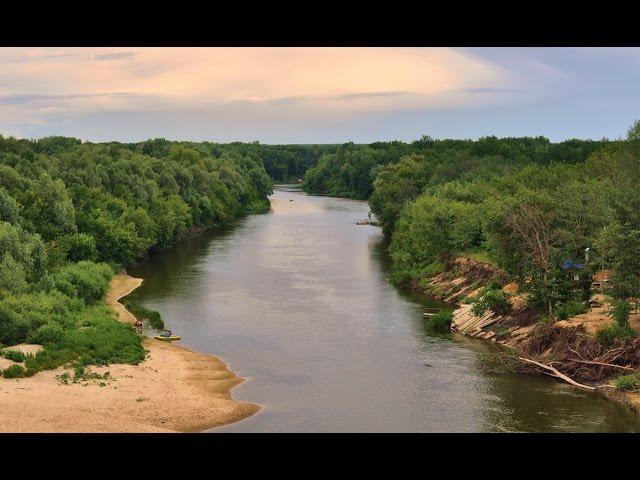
79,246
86,280
491,299
21,315
101,340
433,269
14,355
570,309
440,322
13,327
620,311
104,340
14,371
47,334
49,358
143,313
610,334
628,383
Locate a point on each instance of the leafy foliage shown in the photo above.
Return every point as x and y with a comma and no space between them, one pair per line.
608,335
72,212
439,322
493,299
629,383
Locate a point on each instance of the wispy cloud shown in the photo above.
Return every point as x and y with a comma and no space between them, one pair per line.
491,90
102,57
299,99
27,98
359,95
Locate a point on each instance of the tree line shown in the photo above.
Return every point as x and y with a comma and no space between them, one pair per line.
73,212
543,212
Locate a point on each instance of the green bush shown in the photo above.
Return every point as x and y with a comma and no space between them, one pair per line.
610,334
79,246
143,313
14,371
433,269
570,309
99,340
104,340
440,322
86,280
491,299
22,315
629,383
620,311
47,334
14,355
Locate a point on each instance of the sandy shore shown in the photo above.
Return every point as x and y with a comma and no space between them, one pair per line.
173,390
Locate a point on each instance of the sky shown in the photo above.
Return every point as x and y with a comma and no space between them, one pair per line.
317,94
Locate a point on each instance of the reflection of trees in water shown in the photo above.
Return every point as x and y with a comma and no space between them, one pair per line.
160,270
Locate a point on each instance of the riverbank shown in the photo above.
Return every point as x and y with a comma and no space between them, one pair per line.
173,390
565,349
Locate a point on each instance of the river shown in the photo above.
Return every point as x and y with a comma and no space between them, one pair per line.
297,301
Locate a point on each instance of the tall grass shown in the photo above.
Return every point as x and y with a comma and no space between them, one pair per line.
143,313
97,339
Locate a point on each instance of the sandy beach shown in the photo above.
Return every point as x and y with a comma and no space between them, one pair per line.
173,390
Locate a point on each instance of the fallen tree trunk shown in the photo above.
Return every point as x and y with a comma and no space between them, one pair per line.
556,373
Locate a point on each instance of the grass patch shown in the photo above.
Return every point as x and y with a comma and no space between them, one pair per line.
479,256
143,313
14,355
570,309
608,335
440,322
628,383
15,371
97,339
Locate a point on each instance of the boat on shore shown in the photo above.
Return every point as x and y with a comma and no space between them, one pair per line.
170,338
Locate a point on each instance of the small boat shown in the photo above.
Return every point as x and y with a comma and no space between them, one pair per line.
167,336
170,338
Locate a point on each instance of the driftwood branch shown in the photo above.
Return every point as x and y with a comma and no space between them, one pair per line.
556,373
606,355
603,364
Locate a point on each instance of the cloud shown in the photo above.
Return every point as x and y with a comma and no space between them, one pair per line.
49,86
236,74
491,90
101,57
23,99
358,95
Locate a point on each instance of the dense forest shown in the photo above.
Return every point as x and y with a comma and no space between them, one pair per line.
283,163
72,213
538,210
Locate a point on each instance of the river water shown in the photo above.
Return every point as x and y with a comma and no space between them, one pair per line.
297,301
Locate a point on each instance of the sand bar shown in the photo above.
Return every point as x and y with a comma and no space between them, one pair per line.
173,390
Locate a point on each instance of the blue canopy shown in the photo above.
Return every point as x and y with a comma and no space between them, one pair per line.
571,265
